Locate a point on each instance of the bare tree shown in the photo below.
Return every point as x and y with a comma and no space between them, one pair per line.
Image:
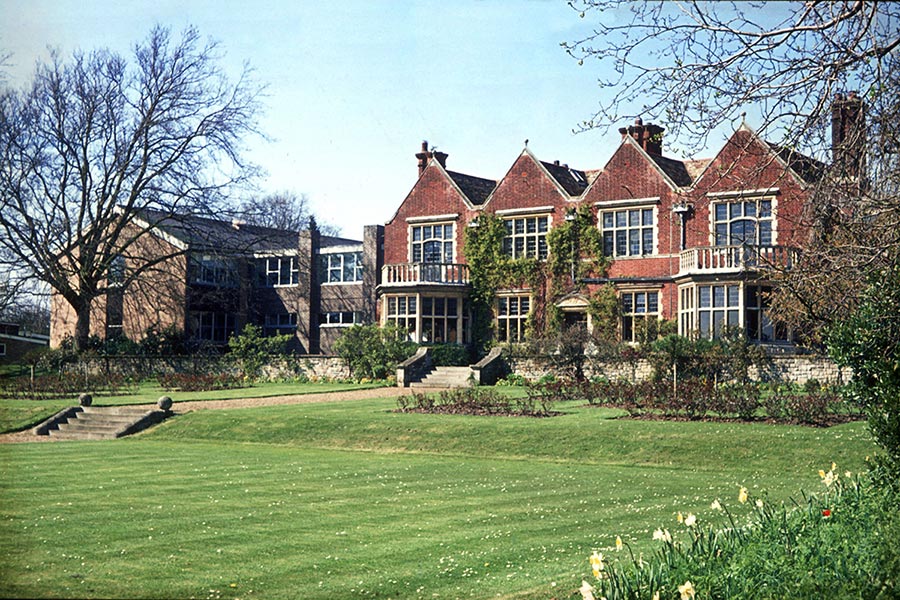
285,210
700,65
97,140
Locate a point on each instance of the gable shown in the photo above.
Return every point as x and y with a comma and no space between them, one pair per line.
746,162
631,173
527,185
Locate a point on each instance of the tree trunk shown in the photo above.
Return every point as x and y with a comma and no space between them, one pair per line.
82,326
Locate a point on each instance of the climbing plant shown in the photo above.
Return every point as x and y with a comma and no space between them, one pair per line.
575,250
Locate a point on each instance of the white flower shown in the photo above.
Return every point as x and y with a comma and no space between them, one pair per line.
687,591
597,565
716,505
690,520
587,592
663,535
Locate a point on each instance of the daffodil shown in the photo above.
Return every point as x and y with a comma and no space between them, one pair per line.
759,503
680,518
618,543
822,473
663,535
716,505
743,495
587,592
687,591
597,564
829,479
656,595
690,520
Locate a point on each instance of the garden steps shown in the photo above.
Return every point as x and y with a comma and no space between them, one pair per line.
100,423
446,377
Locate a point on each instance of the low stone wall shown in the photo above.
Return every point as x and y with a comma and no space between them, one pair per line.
788,368
313,366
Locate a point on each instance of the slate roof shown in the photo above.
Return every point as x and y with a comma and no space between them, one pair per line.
808,169
476,189
675,169
206,233
571,180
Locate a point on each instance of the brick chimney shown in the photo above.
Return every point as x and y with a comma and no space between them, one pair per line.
426,155
648,137
848,135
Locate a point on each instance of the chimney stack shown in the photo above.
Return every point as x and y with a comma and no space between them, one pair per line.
426,155
848,135
648,137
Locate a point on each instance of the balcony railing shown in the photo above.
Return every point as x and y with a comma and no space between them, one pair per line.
425,273
733,259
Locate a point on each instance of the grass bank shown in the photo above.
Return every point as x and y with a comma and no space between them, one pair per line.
16,415
352,500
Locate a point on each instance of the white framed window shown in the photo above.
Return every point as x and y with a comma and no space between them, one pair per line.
758,325
432,243
278,271
211,270
214,326
512,318
628,231
402,311
341,267
718,309
279,323
739,222
340,318
640,314
526,237
440,319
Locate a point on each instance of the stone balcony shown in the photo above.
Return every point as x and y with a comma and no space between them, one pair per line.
735,259
413,274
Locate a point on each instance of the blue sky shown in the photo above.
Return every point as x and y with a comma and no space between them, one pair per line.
354,87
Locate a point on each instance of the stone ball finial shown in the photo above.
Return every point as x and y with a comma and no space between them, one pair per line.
164,403
85,400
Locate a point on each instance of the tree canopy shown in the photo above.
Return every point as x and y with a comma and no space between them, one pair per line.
698,65
96,140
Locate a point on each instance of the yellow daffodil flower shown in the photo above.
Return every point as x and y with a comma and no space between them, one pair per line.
687,591
597,564
743,495
618,543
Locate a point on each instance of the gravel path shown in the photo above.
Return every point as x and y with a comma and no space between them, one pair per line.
184,407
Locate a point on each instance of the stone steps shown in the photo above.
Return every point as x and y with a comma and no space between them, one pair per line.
445,377
100,423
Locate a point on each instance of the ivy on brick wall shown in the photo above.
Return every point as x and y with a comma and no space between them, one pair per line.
575,251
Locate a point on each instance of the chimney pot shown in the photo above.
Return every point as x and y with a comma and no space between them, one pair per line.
426,155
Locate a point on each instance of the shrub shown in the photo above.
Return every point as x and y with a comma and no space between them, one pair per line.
46,387
474,401
450,355
252,350
372,351
197,382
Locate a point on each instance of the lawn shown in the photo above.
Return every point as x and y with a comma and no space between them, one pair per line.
16,415
351,500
